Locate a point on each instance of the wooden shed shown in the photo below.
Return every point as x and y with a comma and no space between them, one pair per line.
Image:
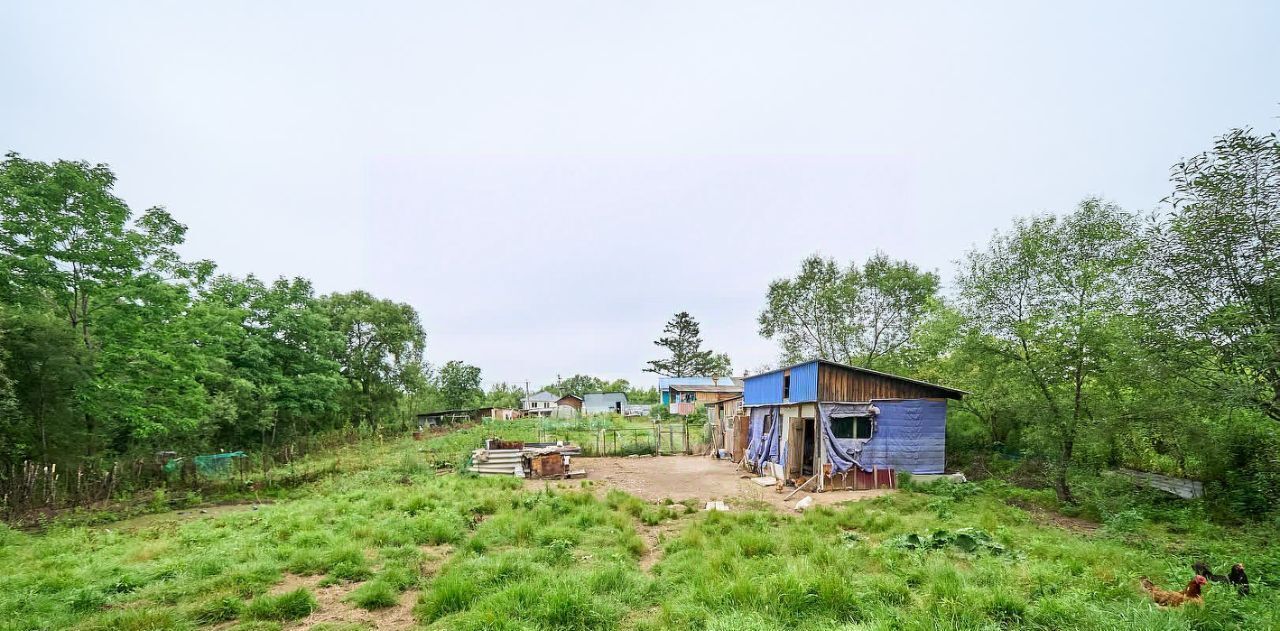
823,417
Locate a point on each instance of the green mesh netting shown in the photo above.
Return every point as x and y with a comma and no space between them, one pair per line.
216,465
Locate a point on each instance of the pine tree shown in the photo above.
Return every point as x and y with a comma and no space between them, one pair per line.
683,339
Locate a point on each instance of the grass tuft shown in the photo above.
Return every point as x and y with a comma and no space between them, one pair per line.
293,605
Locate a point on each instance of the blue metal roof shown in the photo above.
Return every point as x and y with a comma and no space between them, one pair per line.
667,382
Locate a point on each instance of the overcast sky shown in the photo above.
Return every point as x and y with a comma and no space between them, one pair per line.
548,182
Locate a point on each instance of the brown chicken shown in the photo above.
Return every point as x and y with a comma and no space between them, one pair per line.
1166,598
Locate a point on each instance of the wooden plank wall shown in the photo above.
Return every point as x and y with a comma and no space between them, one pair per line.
858,480
839,384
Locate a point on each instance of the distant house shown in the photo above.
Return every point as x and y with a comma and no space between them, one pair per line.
604,402
685,398
666,383
541,404
852,427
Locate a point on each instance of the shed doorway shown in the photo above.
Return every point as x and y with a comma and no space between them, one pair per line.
801,448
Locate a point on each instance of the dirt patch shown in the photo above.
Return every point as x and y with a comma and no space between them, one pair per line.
654,537
433,558
1042,515
295,581
334,609
696,478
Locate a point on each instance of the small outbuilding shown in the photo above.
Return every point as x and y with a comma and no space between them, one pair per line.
728,426
569,406
849,427
604,402
449,417
684,399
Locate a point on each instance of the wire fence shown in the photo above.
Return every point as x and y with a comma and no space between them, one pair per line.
30,490
657,439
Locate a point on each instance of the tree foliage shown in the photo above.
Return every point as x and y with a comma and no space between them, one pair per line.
1213,286
382,352
459,385
1050,297
111,343
859,315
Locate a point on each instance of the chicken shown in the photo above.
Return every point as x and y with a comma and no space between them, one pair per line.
1166,598
1236,576
1204,570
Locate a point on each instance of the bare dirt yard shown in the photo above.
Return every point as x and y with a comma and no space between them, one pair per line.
700,478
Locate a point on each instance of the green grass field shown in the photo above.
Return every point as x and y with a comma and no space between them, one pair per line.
482,553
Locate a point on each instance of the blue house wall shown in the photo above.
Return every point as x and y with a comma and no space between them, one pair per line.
766,388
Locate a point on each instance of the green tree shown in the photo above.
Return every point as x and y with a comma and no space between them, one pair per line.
578,385
459,385
1213,285
857,315
70,246
643,395
46,368
13,430
382,355
66,238
1051,297
279,350
683,341
504,395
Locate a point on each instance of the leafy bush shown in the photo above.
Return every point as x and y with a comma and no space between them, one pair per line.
1124,522
970,540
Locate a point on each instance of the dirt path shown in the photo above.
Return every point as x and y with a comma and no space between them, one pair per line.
1047,517
695,477
134,524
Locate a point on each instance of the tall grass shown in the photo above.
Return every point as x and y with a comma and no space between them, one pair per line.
571,558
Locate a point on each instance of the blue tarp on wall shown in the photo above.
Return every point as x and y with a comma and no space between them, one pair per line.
763,447
910,435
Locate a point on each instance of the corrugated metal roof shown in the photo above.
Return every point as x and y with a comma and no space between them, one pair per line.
667,382
544,396
706,388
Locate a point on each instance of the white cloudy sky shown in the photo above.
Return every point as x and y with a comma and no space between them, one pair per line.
547,182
